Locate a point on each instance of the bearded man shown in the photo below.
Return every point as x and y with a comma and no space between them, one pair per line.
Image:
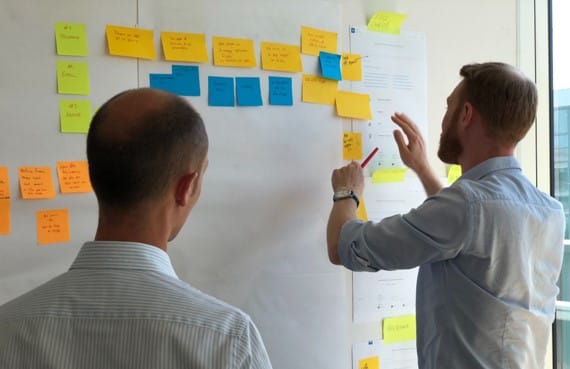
489,247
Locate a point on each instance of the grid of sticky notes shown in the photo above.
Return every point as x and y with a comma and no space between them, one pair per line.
73,77
37,183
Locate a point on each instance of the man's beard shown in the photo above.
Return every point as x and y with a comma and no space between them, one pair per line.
449,146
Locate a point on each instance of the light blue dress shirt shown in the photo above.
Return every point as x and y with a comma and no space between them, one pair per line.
490,251
122,306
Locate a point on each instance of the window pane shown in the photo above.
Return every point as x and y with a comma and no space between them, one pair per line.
560,78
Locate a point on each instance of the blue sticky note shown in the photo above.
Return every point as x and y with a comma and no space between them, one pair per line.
280,91
248,91
165,82
187,80
330,65
221,91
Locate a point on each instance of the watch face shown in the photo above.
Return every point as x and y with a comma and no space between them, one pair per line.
342,194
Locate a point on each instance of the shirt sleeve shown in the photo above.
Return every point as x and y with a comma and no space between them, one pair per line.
437,230
252,350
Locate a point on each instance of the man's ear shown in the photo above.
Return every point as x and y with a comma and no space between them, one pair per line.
183,189
467,114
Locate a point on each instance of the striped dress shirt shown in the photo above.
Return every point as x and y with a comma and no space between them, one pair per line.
121,305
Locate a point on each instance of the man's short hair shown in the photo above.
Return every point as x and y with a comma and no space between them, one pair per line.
141,164
505,98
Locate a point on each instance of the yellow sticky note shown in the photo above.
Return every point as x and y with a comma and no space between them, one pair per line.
313,41
361,211
131,42
389,175
386,22
52,226
72,78
399,329
74,116
319,90
36,183
233,52
281,57
4,183
453,173
5,216
352,145
73,176
353,105
369,363
71,39
351,67
189,47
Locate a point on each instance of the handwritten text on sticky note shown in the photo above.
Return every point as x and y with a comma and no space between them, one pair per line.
386,22
36,183
319,90
233,52
52,226
72,78
131,42
351,67
74,116
315,40
73,177
4,183
71,39
281,57
352,145
399,329
280,91
189,47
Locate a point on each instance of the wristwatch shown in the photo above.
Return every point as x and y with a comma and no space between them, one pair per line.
346,194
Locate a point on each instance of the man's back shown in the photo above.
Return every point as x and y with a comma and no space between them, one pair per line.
493,304
121,306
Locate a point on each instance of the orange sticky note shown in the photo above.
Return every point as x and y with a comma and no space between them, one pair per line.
372,362
131,42
36,183
319,90
4,183
281,57
352,145
189,47
52,226
351,67
73,176
233,52
313,41
353,105
5,216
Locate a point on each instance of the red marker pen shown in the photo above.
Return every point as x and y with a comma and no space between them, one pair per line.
369,157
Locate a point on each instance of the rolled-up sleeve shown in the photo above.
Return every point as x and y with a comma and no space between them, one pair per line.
436,230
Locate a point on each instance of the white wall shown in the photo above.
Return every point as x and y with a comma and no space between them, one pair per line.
256,238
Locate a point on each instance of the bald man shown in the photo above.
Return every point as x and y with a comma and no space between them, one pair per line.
121,305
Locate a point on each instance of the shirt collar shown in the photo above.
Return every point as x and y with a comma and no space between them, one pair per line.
492,165
123,255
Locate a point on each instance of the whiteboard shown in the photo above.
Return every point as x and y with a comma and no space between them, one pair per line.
257,236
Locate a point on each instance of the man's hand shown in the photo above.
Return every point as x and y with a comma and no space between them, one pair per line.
349,177
413,153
